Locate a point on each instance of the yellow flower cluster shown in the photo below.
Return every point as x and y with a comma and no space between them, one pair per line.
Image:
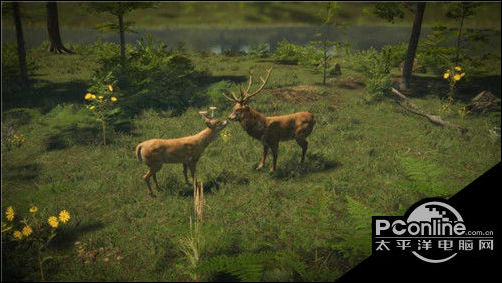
90,96
53,221
16,139
64,216
456,74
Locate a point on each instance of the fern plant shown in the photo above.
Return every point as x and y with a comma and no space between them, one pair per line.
424,177
253,267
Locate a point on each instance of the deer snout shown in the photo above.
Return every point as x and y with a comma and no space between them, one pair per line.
232,117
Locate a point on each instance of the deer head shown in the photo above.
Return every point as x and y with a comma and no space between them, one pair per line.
241,106
213,124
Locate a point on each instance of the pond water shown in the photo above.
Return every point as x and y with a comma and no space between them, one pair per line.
236,39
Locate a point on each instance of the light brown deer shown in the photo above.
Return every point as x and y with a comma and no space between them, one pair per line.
187,150
270,130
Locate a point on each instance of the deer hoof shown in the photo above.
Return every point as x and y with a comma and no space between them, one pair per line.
152,195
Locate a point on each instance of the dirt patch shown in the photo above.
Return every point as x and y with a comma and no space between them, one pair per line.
297,94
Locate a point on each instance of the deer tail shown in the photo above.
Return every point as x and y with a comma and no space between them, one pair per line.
138,153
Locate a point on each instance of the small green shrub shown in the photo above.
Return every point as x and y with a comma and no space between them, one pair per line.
311,56
261,50
396,53
287,53
375,66
154,76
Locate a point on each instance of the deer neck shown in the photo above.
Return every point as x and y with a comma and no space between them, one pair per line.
254,123
205,137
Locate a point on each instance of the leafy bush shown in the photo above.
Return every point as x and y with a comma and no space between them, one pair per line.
154,77
307,56
287,53
215,93
396,53
375,66
261,50
311,56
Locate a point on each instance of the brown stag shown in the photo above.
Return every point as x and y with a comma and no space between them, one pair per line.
270,130
187,150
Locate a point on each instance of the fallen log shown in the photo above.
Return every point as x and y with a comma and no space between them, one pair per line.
436,119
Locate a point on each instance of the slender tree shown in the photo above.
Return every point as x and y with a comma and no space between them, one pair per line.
56,44
412,46
327,21
21,51
390,11
460,11
119,10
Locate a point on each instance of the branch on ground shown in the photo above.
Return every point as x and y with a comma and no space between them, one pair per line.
436,119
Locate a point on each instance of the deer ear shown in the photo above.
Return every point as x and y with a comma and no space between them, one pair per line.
208,122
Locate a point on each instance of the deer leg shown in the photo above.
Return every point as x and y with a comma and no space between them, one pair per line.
146,177
185,173
263,157
275,148
191,166
155,180
304,144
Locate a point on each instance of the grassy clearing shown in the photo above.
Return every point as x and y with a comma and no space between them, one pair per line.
364,158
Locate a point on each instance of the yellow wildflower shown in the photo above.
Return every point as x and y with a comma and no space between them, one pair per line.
18,235
113,98
53,221
9,213
88,96
93,96
64,216
27,230
457,77
100,97
33,209
462,75
457,68
446,75
92,107
110,87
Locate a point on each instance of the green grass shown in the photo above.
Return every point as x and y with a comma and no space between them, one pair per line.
179,14
364,159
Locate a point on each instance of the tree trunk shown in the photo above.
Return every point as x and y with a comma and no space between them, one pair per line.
459,37
412,46
21,52
122,39
56,45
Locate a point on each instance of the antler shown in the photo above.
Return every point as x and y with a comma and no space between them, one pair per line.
234,99
246,95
